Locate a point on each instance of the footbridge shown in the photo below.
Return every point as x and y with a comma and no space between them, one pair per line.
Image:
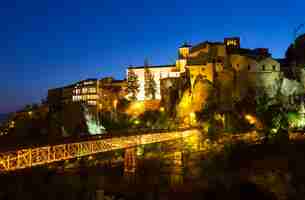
30,157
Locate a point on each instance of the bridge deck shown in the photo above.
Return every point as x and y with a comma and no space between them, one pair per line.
28,157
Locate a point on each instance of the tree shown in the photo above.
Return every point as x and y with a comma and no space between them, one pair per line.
149,84
132,84
273,117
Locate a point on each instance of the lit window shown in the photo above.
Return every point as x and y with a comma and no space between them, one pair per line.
92,90
92,102
84,90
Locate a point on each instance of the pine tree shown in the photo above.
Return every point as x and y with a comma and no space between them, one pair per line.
149,84
132,84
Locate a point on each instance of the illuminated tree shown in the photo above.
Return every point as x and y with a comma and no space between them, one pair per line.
149,84
132,84
273,117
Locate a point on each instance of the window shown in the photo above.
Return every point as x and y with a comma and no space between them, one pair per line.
263,67
92,90
274,67
92,102
249,67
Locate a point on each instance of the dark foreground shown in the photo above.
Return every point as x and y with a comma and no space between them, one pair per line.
263,171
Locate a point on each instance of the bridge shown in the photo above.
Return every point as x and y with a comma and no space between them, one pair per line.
30,157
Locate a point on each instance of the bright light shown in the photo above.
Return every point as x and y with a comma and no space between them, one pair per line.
136,122
12,124
296,120
251,119
192,118
274,130
136,108
115,103
162,109
30,113
192,115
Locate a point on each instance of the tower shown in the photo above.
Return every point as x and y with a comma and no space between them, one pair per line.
184,51
183,54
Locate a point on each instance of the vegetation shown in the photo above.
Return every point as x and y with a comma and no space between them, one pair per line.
274,118
132,84
150,84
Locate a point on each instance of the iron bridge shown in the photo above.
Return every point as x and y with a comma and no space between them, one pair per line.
29,157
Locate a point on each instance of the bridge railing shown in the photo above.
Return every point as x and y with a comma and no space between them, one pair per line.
28,157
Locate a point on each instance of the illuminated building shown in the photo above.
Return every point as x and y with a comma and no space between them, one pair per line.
158,73
101,94
210,60
226,66
111,91
86,91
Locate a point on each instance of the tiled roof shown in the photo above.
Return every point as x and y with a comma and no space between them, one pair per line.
203,45
155,66
185,45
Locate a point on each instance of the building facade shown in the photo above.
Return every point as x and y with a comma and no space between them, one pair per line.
86,92
101,95
111,92
157,73
236,69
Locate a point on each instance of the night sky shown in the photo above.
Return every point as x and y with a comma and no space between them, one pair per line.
52,43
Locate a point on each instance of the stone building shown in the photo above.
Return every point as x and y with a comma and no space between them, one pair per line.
111,92
233,71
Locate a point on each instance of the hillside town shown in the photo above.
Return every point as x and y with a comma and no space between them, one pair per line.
218,83
219,112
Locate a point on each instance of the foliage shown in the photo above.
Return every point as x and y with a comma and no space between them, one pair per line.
209,109
212,131
155,119
274,119
123,104
73,119
122,122
132,84
150,84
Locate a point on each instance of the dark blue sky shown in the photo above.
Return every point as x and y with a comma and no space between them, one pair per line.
51,43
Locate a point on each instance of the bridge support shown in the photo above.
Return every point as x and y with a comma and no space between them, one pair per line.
130,164
130,160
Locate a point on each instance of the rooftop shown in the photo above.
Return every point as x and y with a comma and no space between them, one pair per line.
153,66
203,45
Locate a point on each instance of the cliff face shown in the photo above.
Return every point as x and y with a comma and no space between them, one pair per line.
194,99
